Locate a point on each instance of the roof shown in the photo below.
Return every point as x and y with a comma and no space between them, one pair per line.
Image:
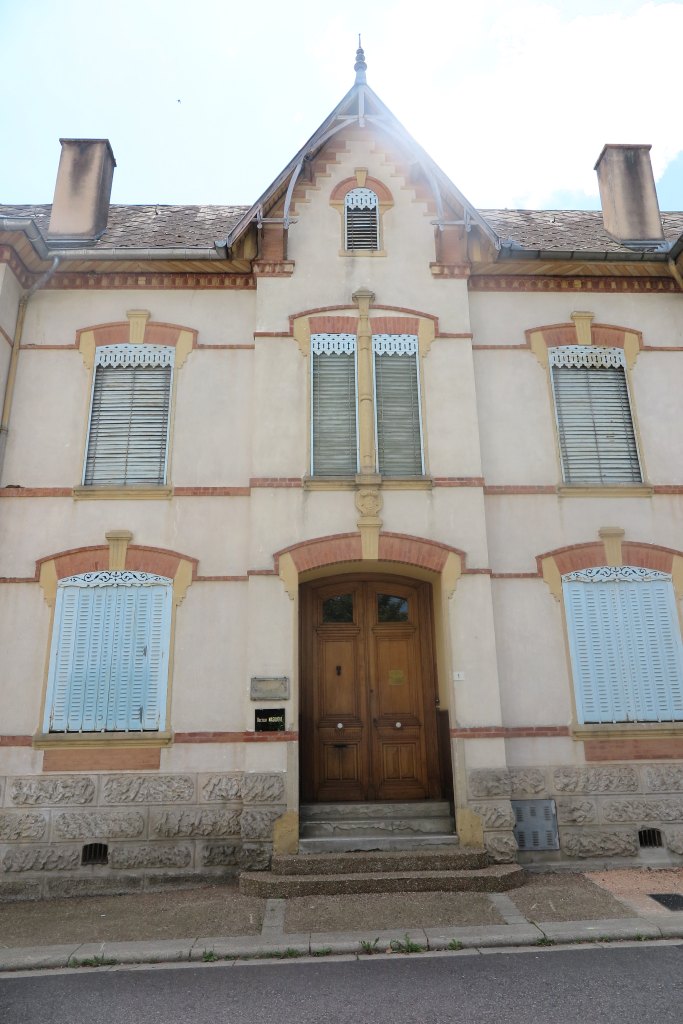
156,226
149,227
566,230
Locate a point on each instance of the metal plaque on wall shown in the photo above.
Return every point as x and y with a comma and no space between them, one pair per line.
269,688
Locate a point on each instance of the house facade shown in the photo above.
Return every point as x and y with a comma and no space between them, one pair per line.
359,494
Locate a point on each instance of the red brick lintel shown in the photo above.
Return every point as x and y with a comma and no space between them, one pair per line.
491,732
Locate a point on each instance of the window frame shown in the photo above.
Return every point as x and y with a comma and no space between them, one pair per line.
407,344
633,690
127,355
593,357
377,247
115,580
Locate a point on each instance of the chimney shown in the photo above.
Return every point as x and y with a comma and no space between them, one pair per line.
630,210
80,208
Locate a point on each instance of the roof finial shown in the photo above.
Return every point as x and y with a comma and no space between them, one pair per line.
360,67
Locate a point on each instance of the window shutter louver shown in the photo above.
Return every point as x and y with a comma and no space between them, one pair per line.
625,647
128,436
109,661
595,426
361,220
334,445
397,406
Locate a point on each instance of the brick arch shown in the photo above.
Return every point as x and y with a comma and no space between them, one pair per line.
603,335
139,558
346,547
118,333
380,190
585,556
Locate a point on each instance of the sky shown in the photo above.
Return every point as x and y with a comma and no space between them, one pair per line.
206,102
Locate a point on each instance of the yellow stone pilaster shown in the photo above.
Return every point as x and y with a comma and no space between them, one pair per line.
366,418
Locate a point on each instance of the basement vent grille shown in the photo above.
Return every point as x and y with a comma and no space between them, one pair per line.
95,853
649,837
536,824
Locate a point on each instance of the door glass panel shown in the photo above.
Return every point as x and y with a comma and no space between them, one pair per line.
338,608
391,608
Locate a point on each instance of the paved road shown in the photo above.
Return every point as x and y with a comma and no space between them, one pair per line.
600,986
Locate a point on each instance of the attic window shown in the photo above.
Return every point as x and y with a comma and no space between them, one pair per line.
361,220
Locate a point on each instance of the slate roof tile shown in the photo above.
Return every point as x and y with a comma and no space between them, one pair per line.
188,227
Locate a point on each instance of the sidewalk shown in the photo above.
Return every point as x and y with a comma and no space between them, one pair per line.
216,922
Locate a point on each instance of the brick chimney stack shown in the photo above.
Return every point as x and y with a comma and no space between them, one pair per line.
80,208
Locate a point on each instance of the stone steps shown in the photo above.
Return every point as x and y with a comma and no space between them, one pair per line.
438,858
496,878
375,826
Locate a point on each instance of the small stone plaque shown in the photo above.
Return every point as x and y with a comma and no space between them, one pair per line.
269,720
269,688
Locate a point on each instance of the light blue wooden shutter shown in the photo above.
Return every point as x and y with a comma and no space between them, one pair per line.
594,421
397,405
334,434
361,220
129,416
625,645
110,651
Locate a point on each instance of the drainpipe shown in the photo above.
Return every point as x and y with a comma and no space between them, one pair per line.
14,357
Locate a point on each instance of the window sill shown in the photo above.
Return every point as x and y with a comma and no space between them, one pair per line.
80,740
83,493
413,483
362,252
606,491
627,730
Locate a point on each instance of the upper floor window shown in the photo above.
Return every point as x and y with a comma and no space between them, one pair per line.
625,644
398,419
361,220
129,416
396,399
109,657
594,421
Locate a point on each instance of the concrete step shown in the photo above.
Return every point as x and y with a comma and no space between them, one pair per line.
351,843
438,858
497,878
374,810
377,827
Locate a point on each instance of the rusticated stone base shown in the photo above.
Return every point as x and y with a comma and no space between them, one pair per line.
159,830
600,809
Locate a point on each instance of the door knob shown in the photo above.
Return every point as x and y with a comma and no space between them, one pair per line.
340,725
398,725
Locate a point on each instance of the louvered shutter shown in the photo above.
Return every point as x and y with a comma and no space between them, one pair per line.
397,406
129,417
361,219
334,443
595,426
625,646
109,661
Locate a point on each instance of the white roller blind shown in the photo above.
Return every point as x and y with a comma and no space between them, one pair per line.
129,418
625,645
595,426
334,440
109,655
397,406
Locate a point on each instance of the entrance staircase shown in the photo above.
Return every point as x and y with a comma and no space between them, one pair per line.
379,848
343,828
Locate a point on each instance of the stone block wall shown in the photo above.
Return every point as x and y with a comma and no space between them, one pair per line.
159,829
599,809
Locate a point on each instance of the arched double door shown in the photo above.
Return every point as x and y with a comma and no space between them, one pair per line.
368,693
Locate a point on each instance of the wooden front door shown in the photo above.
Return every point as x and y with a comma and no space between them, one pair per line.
368,729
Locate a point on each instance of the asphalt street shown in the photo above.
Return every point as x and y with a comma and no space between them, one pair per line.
598,985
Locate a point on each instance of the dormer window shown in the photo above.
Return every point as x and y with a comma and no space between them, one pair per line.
361,220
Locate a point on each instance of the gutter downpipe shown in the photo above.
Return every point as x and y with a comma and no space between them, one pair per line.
14,357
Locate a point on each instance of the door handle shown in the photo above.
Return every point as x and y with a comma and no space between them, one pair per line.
341,746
